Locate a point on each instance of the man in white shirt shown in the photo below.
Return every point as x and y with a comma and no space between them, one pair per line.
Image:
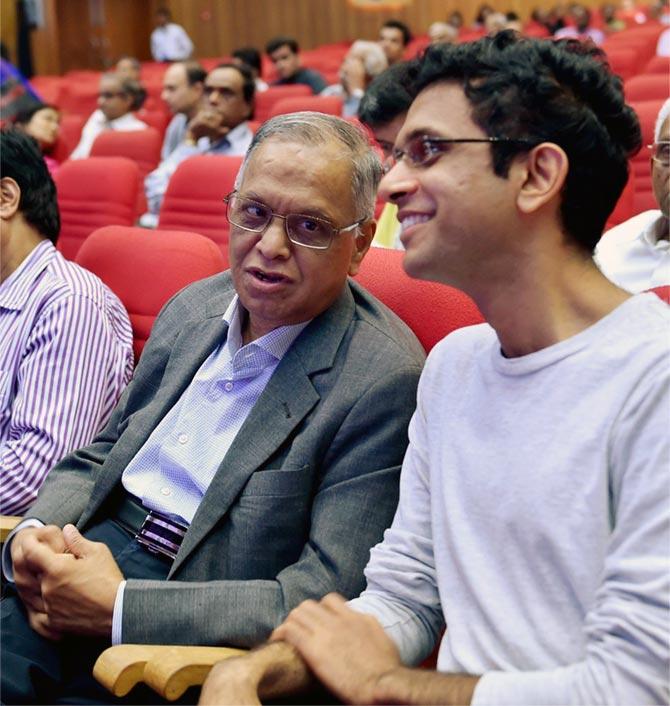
635,255
183,86
117,99
533,520
169,41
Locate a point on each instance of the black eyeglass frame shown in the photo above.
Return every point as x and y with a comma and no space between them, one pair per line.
333,229
399,154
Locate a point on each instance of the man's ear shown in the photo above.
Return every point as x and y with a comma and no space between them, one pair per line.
362,240
546,169
10,196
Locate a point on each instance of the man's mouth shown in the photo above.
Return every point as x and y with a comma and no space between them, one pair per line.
270,277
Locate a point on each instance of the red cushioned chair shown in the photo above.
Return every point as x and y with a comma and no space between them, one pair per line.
624,61
79,97
321,104
266,99
663,292
145,268
644,87
647,112
69,134
658,65
431,310
142,146
624,208
194,197
92,193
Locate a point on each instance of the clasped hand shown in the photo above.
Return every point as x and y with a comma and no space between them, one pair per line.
67,583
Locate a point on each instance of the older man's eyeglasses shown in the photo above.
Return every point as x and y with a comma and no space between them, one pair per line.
660,152
424,149
304,230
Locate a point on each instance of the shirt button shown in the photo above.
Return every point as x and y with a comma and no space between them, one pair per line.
182,438
166,491
228,386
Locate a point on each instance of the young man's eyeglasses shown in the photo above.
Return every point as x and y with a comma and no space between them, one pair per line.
660,152
301,229
423,149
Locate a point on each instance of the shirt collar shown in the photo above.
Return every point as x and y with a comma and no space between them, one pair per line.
276,342
652,232
16,289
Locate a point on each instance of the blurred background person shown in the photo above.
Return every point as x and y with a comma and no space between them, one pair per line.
455,19
42,123
284,52
251,58
117,99
394,36
582,28
442,32
362,63
129,67
169,41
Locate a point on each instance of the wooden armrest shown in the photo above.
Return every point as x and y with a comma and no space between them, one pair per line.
167,669
7,524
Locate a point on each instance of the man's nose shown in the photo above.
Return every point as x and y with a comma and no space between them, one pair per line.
397,182
274,241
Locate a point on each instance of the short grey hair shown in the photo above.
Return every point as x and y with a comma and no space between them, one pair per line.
318,129
374,60
663,115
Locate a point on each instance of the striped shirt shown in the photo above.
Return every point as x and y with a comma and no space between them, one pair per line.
65,357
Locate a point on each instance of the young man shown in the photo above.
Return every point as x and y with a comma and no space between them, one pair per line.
394,36
635,255
254,459
65,339
285,55
533,519
169,41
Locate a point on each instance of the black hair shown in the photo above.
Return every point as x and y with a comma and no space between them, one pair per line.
195,73
397,24
25,113
248,83
165,12
22,161
249,56
554,91
278,42
390,94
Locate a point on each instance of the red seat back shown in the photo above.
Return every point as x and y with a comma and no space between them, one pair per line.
321,104
194,197
145,268
625,206
142,146
266,99
92,193
624,61
663,292
431,310
69,134
647,87
658,65
79,97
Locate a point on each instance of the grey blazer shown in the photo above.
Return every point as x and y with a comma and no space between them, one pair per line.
306,489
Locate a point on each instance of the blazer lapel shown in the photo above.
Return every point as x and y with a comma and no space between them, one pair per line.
287,399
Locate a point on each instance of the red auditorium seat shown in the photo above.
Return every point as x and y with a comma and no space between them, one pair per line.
625,206
194,197
92,193
48,88
80,97
624,61
145,268
658,65
266,99
68,136
157,119
142,146
647,112
321,104
431,310
663,292
645,87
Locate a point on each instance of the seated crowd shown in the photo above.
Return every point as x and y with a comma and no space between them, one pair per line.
284,470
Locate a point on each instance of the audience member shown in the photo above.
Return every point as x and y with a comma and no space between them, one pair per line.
480,18
383,110
251,58
533,518
495,22
169,41
42,123
362,63
183,89
513,22
635,255
221,127
440,32
285,55
117,100
611,23
265,426
129,67
394,36
65,339
455,19
582,28
663,44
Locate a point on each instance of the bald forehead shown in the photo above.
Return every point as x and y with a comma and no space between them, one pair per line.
110,82
175,74
224,77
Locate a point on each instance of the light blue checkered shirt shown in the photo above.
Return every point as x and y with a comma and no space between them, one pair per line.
172,471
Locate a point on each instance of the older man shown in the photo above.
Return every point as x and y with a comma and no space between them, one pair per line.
253,460
183,89
635,255
65,339
533,520
219,127
362,63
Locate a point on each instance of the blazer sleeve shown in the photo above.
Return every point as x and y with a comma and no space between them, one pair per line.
353,504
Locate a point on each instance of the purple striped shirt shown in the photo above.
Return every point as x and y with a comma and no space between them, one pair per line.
65,357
